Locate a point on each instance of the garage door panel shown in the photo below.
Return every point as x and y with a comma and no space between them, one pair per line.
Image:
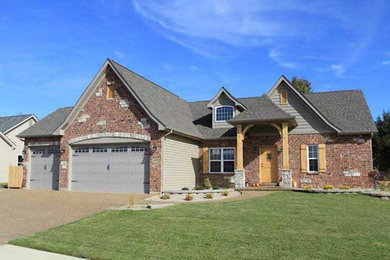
44,173
117,168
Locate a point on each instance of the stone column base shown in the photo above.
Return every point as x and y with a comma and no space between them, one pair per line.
239,179
286,178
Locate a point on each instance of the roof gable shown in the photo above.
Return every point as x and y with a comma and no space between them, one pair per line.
8,123
230,96
301,96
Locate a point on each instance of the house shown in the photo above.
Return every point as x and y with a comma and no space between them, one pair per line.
11,147
127,134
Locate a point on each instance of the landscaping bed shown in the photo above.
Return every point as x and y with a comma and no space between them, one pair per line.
196,195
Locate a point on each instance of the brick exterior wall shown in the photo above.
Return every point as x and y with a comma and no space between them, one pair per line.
117,118
344,153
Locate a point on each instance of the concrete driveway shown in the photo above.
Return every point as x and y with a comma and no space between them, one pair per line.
24,212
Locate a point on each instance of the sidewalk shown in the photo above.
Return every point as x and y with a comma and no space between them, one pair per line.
22,253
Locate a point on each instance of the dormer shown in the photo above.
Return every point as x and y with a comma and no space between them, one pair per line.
224,107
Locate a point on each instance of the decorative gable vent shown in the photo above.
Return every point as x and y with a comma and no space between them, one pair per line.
109,83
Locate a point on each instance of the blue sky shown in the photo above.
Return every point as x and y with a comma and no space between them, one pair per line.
51,50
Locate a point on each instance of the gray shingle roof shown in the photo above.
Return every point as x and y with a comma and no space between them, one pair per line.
48,125
171,110
258,108
7,122
262,110
347,110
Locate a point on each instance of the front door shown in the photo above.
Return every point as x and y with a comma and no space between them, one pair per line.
268,164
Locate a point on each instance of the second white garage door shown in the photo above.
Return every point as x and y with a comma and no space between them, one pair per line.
123,168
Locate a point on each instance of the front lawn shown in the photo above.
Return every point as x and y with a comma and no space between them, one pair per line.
281,225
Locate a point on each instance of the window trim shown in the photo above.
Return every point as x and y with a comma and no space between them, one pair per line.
222,160
308,159
220,106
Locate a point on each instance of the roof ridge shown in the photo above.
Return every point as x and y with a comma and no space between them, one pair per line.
198,101
17,115
148,80
335,91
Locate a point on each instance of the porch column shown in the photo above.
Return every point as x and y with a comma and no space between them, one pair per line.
286,171
239,173
286,161
240,154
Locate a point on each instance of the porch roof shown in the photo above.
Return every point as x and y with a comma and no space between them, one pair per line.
263,111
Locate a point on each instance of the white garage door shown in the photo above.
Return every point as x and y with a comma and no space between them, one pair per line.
119,168
44,168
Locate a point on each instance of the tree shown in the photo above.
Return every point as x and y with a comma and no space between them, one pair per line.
381,142
301,84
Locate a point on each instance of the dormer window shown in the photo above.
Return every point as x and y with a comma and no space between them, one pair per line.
224,113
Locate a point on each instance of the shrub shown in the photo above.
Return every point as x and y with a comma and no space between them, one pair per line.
189,197
166,196
344,187
209,195
184,188
3,185
308,187
215,187
226,185
207,183
328,187
199,188
225,193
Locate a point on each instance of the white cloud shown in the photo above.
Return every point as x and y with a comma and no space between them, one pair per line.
212,27
385,62
338,68
166,66
119,54
276,56
194,68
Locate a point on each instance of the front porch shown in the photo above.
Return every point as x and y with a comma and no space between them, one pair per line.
272,156
261,156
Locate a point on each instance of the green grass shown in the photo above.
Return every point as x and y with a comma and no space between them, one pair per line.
3,185
283,225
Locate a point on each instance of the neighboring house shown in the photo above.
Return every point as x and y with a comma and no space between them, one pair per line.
127,134
11,147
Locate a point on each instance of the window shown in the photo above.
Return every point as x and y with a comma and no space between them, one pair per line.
224,113
312,157
82,150
119,150
138,149
110,92
283,97
20,160
221,160
99,150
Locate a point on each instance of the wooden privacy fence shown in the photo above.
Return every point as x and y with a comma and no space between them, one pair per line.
15,176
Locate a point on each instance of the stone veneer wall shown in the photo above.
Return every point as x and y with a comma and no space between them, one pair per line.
344,153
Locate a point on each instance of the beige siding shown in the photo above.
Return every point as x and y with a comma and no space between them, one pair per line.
9,156
180,162
308,121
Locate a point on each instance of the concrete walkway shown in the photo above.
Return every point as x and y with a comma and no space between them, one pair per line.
22,253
